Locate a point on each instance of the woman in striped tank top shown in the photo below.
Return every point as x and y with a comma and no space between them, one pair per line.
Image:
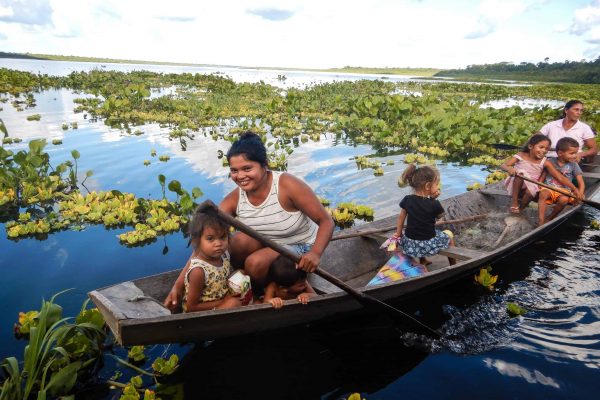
278,205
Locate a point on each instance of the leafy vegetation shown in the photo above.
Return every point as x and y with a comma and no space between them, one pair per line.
485,279
514,309
64,355
58,352
567,71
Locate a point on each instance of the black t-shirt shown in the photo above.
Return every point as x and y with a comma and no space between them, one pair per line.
422,212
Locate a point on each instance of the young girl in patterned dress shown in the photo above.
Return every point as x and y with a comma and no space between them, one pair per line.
205,281
532,163
419,211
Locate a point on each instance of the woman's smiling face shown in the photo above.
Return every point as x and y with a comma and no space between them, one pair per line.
248,175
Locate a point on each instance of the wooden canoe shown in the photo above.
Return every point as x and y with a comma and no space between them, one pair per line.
134,312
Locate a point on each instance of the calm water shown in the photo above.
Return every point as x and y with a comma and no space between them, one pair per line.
552,352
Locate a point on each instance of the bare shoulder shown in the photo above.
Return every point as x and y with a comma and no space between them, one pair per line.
196,275
290,183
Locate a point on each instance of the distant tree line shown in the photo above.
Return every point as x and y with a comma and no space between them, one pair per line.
567,71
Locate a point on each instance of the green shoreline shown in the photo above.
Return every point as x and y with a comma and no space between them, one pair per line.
357,70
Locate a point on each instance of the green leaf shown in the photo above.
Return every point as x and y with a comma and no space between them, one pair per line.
63,381
161,179
75,154
91,316
514,309
3,128
196,192
186,202
89,173
175,186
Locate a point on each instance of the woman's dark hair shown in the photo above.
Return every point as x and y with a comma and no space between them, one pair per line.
568,105
417,177
284,273
250,145
202,220
535,139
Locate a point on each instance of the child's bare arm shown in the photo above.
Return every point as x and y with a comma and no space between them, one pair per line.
508,165
580,186
270,290
196,286
269,297
400,224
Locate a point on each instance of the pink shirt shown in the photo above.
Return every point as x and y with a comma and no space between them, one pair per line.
555,131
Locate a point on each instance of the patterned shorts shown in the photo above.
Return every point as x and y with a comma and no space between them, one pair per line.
299,248
423,248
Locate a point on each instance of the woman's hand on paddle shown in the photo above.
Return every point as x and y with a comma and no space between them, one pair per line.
309,262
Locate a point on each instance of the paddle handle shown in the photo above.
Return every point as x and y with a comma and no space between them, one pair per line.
361,297
284,251
555,189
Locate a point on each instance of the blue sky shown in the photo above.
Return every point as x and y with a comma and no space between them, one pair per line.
307,34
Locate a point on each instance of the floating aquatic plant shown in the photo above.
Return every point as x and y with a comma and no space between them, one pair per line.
595,224
345,213
515,310
485,279
56,142
34,117
136,354
485,160
165,367
474,186
57,353
495,176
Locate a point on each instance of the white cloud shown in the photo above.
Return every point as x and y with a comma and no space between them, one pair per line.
484,27
586,19
28,12
287,33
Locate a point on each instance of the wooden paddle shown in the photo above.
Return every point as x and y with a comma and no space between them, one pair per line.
594,204
390,227
363,298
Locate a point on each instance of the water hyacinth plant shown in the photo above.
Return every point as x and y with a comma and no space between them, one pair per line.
485,279
58,351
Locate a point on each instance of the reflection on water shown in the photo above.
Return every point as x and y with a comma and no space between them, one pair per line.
515,370
553,351
297,79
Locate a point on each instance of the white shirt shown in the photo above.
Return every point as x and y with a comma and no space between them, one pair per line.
555,131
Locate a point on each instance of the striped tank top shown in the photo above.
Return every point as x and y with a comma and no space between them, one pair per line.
270,219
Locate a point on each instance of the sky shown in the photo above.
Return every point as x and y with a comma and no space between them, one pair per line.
307,33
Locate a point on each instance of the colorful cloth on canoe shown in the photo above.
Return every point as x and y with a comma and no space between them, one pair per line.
397,268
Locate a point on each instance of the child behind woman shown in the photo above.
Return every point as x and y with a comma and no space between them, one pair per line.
205,282
530,162
420,210
287,283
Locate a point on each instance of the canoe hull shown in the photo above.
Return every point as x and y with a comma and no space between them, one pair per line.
134,312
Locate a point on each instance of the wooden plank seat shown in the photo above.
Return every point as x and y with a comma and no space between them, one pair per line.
461,253
592,175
